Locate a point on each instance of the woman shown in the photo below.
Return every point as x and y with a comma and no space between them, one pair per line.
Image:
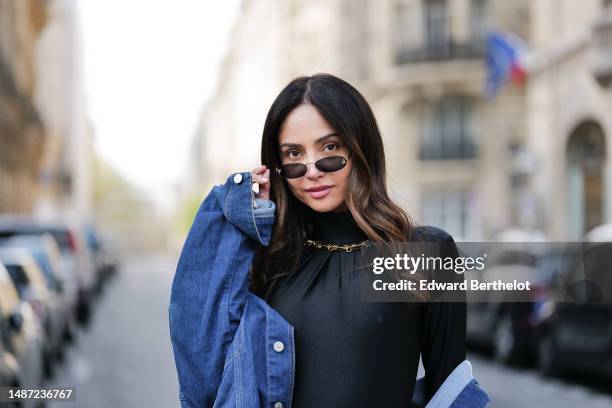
321,200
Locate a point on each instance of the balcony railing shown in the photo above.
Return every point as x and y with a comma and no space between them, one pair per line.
602,60
448,151
442,52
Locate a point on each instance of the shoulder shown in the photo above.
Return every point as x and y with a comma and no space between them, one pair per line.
431,234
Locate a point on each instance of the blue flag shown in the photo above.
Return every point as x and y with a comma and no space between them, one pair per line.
503,61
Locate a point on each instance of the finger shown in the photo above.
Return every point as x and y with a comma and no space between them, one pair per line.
261,178
259,170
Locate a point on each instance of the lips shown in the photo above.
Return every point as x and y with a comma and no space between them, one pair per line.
318,192
319,188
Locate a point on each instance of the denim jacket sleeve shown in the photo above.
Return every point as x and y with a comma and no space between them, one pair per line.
211,283
459,390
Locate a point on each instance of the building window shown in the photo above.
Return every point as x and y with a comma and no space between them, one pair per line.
478,21
437,35
448,131
362,35
437,43
403,39
448,210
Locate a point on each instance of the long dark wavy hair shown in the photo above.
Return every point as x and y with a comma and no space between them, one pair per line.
349,114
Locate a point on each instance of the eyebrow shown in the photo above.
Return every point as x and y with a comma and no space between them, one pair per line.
319,140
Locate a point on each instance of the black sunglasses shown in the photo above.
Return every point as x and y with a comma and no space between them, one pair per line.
326,164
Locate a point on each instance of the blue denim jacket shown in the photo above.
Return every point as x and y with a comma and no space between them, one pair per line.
231,349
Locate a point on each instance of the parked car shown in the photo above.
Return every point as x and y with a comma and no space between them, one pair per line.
9,367
31,286
500,322
601,233
576,334
62,289
76,258
103,255
21,336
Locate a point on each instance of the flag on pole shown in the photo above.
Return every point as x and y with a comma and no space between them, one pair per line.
504,58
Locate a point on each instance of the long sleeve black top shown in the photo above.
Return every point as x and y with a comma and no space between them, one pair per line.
351,353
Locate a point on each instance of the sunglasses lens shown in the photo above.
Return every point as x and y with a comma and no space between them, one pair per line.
327,165
331,164
293,170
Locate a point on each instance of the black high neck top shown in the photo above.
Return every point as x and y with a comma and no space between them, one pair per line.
336,228
352,353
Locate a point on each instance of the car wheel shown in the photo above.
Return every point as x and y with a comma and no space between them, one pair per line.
504,341
60,353
547,357
70,331
48,367
84,313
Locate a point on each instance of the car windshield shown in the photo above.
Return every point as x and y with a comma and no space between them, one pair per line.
34,248
19,277
549,264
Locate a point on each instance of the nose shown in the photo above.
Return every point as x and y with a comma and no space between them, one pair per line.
312,171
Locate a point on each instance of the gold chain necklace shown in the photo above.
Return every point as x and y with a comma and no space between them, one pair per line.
335,247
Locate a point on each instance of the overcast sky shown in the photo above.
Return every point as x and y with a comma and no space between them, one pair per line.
149,67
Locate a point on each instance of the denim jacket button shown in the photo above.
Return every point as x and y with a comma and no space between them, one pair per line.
278,405
278,347
237,178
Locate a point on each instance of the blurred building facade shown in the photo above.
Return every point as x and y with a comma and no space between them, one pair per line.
22,133
570,115
471,165
45,136
448,148
66,172
250,74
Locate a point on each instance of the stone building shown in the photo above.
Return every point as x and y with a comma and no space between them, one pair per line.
22,133
66,171
420,64
569,102
450,150
45,135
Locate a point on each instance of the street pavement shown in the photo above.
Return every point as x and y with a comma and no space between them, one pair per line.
521,387
124,358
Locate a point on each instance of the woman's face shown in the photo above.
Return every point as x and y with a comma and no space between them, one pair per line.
306,137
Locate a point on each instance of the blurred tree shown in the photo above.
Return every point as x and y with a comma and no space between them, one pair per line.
187,210
126,211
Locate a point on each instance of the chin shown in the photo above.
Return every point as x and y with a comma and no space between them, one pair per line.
323,205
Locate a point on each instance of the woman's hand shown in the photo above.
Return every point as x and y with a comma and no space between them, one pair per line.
261,175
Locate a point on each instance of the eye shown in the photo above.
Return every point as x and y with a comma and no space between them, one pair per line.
335,146
288,154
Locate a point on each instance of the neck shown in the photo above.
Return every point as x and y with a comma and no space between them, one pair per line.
336,227
341,208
